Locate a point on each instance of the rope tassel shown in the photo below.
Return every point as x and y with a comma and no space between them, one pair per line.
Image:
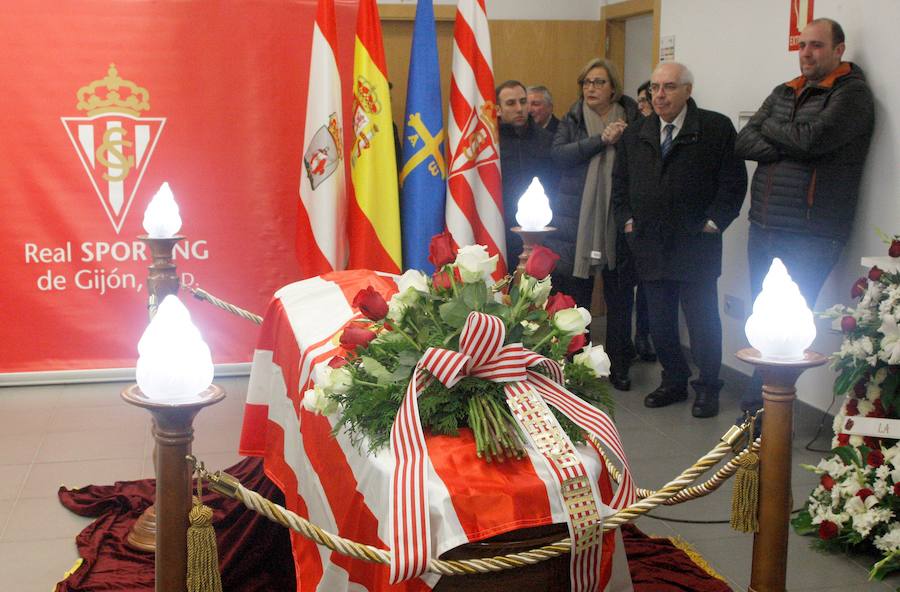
745,496
202,555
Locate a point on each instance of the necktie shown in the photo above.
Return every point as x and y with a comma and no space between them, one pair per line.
666,145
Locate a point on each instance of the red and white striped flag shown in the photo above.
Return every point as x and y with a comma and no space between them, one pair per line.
321,241
475,195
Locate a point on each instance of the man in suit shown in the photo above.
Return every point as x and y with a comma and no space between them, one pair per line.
540,106
677,185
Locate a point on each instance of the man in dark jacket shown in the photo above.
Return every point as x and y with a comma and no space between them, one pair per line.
810,137
524,154
540,106
677,185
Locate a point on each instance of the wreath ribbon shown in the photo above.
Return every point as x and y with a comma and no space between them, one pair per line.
483,355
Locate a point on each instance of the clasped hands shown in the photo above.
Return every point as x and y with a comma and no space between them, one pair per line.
613,132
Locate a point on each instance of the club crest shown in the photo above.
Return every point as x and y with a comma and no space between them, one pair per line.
113,141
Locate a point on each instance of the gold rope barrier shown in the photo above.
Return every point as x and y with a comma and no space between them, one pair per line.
201,294
229,486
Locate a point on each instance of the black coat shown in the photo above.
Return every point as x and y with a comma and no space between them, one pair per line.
811,147
524,154
671,201
572,153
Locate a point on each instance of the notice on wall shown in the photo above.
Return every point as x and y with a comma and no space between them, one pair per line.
125,97
801,14
667,48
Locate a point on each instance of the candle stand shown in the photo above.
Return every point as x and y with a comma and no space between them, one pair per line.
173,433
769,570
530,239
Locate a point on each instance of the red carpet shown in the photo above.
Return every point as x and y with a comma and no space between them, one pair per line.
656,564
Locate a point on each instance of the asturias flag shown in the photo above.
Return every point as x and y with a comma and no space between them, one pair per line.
321,241
422,178
374,214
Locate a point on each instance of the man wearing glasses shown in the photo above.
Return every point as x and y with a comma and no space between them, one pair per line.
810,137
677,185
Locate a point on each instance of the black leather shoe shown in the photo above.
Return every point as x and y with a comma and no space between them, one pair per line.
666,395
620,382
644,348
706,405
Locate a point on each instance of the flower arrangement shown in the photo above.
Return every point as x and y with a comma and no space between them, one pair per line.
857,502
365,386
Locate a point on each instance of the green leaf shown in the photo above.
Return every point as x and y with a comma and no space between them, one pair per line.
538,315
802,523
454,313
885,566
889,391
848,455
848,378
376,369
474,295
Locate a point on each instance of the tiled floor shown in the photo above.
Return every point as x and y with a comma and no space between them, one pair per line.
81,434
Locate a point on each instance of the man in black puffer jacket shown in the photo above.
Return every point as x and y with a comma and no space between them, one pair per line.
524,154
810,137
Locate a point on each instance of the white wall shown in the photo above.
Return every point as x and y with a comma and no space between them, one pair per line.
738,53
564,10
638,52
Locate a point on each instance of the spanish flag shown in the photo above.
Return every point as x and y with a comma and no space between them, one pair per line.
374,214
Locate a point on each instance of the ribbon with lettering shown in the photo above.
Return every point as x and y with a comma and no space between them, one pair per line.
483,355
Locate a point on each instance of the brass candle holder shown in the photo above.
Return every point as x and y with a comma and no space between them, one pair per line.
530,239
769,570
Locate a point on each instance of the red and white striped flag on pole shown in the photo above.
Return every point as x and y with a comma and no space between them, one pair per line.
321,241
475,194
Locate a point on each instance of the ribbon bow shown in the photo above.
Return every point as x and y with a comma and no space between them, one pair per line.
483,355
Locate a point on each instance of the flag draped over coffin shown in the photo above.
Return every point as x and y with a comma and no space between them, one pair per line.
374,212
321,240
424,169
475,205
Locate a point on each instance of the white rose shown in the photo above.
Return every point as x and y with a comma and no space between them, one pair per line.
474,264
316,401
537,291
332,380
411,284
595,359
572,321
396,307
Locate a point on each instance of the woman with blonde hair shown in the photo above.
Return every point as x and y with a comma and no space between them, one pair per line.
584,148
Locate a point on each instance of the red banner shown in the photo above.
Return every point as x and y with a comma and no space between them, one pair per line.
104,102
801,14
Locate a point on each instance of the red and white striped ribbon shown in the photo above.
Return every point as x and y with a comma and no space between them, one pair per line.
483,355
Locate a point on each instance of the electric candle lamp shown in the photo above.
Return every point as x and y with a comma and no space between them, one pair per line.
161,218
781,326
534,211
174,364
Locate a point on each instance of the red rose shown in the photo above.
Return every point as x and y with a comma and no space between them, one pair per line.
371,304
859,288
337,362
441,250
894,251
875,459
864,493
897,489
859,389
843,439
873,443
853,407
828,530
441,279
541,262
353,337
558,302
827,481
875,274
577,342
848,324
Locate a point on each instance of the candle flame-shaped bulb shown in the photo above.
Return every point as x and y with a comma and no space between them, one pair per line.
161,218
781,326
534,211
174,363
